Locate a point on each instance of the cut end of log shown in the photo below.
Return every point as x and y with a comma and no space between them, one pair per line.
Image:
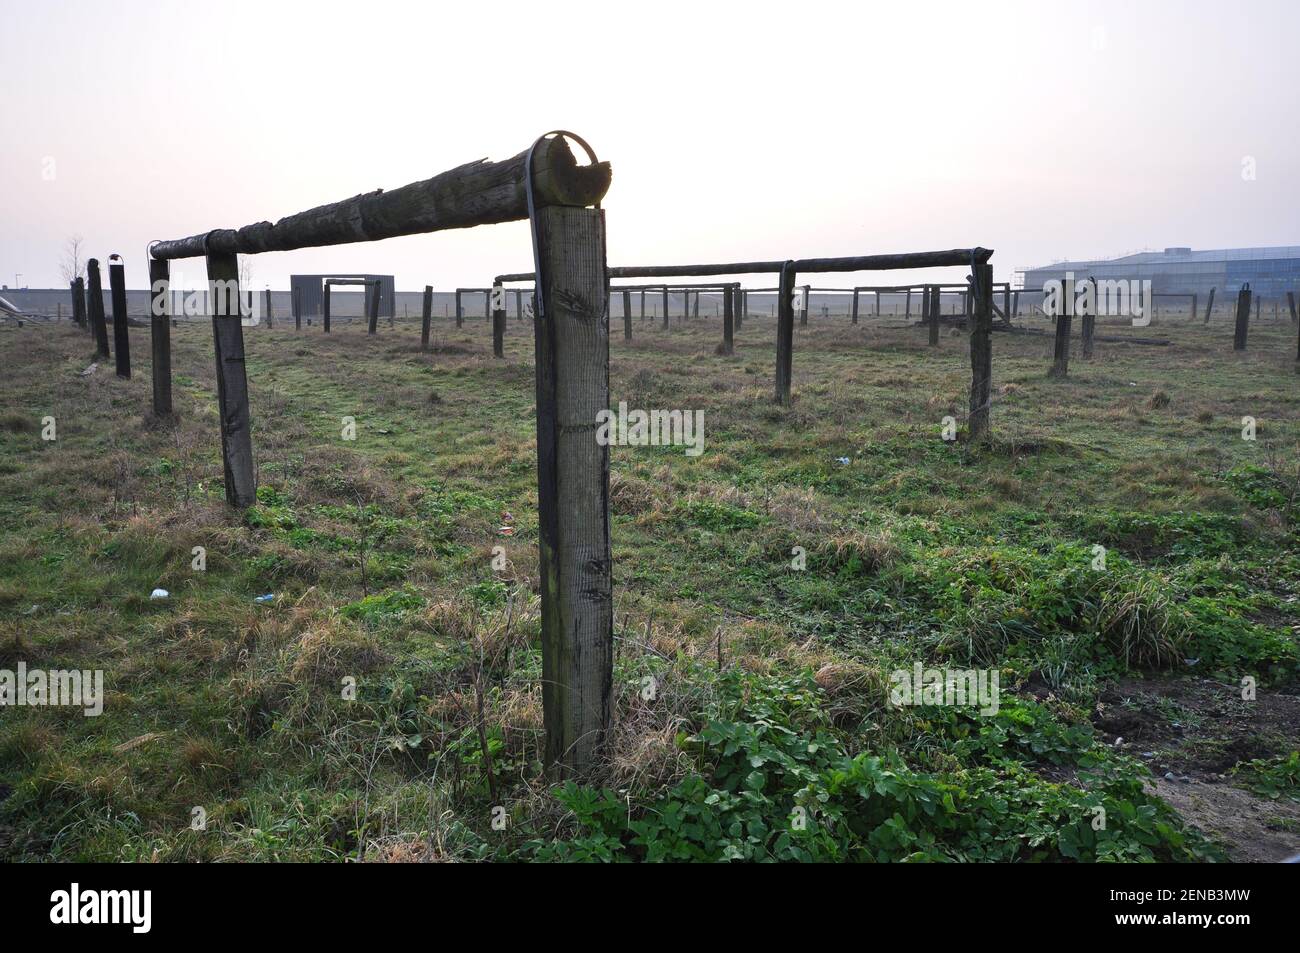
559,180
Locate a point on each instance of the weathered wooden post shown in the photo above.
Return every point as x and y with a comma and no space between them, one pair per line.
426,317
877,302
931,300
1258,300
572,357
627,315
1015,303
665,307
498,319
785,333
1088,321
907,303
460,314
1006,302
121,330
728,320
296,297
803,305
372,300
79,302
160,335
1243,318
1193,314
96,304
1290,303
232,380
270,309
1209,305
642,304
695,311
325,308
853,308
1064,318
981,352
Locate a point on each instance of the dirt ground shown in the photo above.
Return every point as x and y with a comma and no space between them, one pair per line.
1192,732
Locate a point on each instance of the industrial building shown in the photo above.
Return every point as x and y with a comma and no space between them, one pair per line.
1271,272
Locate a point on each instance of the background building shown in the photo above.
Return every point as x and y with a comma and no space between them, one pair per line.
1271,272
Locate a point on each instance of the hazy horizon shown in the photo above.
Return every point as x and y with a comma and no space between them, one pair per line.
1043,131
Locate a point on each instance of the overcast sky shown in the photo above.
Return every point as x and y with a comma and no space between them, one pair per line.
738,131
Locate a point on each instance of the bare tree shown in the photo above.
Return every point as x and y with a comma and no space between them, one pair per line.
71,266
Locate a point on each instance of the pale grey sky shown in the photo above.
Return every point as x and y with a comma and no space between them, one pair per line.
736,130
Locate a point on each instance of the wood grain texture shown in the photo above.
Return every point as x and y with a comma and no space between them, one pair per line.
160,335
121,327
785,333
572,362
232,385
981,352
96,304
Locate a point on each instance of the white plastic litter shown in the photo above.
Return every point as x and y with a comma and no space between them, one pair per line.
159,594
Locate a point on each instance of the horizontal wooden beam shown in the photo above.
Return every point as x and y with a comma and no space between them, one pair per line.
478,193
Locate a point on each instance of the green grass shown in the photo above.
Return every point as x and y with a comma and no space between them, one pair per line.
379,554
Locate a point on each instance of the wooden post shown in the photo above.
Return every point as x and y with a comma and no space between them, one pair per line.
1015,304
907,303
325,308
877,303
232,380
1258,300
460,314
270,309
1290,303
1243,319
933,302
1064,318
642,304
297,309
695,311
728,320
803,307
853,309
981,353
373,302
572,358
426,317
665,307
1088,322
737,307
1193,315
121,330
160,335
1006,303
785,333
627,315
1209,305
79,302
498,321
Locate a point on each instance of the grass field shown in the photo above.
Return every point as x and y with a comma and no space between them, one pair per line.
753,715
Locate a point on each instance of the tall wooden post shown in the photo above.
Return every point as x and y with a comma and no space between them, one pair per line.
853,309
96,303
1006,303
232,379
1243,319
803,306
426,317
1209,305
627,315
296,297
460,314
325,308
981,352
728,320
498,321
907,303
121,330
665,307
572,359
642,304
695,311
932,301
1088,321
372,301
1290,303
739,304
785,333
1064,318
877,303
160,334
